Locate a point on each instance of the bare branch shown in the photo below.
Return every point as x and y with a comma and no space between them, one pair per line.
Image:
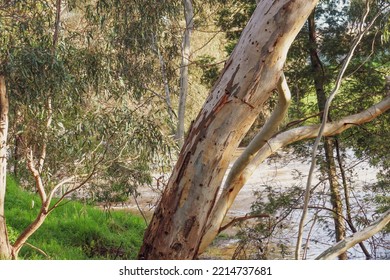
362,31
139,208
49,120
37,176
344,245
38,249
90,175
60,184
294,135
241,219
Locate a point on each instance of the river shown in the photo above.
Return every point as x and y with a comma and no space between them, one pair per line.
280,172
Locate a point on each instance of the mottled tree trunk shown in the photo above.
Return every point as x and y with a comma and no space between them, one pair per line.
335,187
319,79
247,81
5,247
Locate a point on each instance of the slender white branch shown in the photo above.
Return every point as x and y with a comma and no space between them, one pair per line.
60,184
266,132
343,245
49,120
284,139
362,32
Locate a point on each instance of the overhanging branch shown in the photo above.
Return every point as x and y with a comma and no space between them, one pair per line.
344,245
294,135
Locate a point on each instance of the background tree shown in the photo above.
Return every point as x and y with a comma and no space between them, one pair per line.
74,105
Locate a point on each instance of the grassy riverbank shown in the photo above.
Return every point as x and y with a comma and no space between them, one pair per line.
74,231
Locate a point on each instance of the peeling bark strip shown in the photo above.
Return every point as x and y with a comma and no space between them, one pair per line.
248,78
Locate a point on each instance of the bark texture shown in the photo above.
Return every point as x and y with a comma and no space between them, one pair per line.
229,191
329,145
247,81
5,248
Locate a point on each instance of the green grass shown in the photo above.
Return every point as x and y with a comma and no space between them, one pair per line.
74,231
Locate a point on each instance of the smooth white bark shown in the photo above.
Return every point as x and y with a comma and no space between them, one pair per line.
5,248
247,81
185,61
229,192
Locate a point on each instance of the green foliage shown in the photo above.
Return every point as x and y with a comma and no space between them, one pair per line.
381,197
94,84
232,19
262,239
209,68
386,33
74,230
276,201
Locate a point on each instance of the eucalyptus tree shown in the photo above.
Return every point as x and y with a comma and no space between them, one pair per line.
328,46
191,211
82,108
179,222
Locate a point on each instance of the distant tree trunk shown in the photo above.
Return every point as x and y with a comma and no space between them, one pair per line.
247,81
347,197
164,76
166,84
335,187
17,155
185,61
319,78
5,248
342,246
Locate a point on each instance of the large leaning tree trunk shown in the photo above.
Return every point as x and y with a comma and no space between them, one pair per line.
247,81
5,248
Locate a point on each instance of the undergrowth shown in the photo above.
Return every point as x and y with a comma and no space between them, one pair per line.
73,231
